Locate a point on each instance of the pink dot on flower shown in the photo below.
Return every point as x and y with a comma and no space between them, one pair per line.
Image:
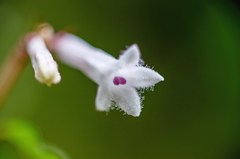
116,81
119,80
122,80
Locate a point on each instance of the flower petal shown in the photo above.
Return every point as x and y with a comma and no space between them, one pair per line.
130,57
140,77
127,99
103,102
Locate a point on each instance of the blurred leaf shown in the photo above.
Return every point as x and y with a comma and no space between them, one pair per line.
26,139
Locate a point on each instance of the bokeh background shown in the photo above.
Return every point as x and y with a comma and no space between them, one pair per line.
193,114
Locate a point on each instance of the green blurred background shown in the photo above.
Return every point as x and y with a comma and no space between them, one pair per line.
193,114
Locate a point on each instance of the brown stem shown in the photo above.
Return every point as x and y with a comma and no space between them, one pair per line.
10,71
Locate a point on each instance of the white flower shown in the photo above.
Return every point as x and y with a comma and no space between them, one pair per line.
45,68
117,79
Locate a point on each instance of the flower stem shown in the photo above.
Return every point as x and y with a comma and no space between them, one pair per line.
11,69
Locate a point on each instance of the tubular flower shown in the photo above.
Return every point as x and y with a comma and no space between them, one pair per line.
45,68
118,79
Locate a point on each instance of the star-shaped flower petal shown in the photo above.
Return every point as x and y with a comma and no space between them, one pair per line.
117,79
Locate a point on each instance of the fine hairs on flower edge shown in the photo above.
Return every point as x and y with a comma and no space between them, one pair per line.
118,80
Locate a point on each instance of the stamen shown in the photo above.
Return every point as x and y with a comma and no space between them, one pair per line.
119,80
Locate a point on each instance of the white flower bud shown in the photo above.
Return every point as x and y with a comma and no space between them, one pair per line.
45,68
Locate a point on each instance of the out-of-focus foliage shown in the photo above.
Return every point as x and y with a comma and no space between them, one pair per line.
193,114
26,141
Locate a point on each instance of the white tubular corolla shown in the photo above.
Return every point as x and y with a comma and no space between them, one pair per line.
118,79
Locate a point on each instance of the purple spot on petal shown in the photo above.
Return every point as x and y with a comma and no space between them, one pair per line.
122,80
119,80
116,81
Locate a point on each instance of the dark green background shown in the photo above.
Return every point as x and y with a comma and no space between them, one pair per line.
193,114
